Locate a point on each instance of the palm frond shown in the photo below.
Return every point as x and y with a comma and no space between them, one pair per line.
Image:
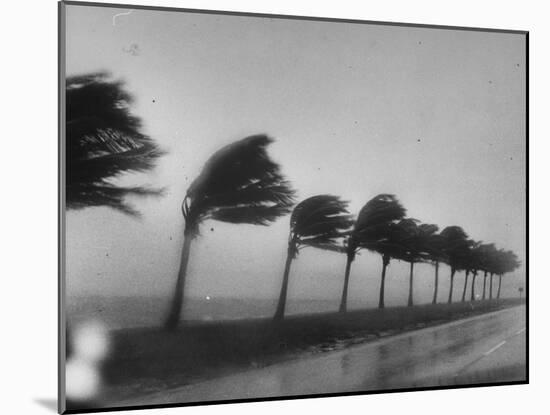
375,226
239,184
380,210
456,246
322,222
103,141
84,196
255,215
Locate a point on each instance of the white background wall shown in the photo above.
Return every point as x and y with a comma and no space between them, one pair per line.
28,163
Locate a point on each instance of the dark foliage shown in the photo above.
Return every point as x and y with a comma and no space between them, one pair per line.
103,142
413,242
481,257
238,184
456,247
375,226
503,262
320,222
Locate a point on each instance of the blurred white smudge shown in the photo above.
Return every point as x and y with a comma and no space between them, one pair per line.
90,344
82,379
120,14
91,341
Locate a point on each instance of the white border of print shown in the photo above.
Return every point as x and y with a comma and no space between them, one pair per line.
29,203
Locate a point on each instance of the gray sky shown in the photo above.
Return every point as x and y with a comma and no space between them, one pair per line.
436,117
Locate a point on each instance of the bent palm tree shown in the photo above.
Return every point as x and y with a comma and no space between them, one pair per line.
103,141
407,238
420,249
467,273
319,222
238,184
469,266
487,257
373,230
436,255
412,242
456,245
507,262
475,264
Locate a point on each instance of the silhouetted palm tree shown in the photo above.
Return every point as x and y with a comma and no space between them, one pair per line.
455,246
496,262
373,231
487,257
428,248
474,276
103,141
476,262
466,274
469,266
319,222
436,255
414,242
238,184
507,262
407,235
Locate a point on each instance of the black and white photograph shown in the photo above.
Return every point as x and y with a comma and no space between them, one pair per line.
259,207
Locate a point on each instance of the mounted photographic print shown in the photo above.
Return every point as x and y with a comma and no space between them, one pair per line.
258,207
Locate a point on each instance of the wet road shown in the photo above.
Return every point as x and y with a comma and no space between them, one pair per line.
486,348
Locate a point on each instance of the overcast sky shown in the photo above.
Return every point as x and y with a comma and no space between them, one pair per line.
436,117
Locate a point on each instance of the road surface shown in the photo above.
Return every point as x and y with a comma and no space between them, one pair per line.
486,348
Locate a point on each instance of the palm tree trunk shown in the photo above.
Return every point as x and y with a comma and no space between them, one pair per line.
473,296
434,300
465,285
410,302
499,285
450,300
491,287
484,284
344,301
280,313
385,263
173,317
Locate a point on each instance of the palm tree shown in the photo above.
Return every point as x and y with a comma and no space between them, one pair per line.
469,267
319,222
467,273
413,240
373,230
496,263
474,276
429,243
436,255
408,240
103,141
476,263
238,184
487,256
455,246
508,262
